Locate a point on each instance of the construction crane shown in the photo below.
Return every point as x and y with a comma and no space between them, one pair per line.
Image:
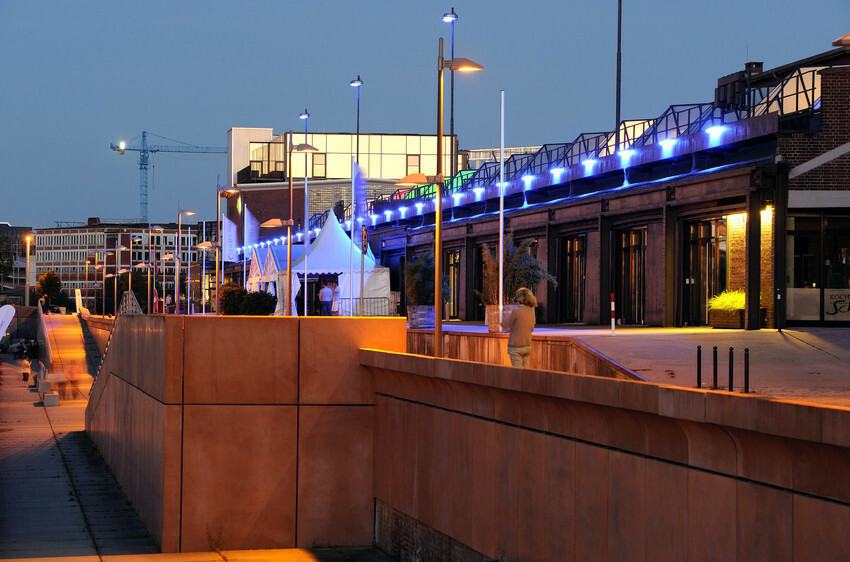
145,150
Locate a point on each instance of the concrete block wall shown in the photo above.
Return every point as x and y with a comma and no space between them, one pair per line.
242,432
536,465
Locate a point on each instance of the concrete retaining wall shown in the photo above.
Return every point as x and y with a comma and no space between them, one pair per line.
242,432
100,329
537,465
550,353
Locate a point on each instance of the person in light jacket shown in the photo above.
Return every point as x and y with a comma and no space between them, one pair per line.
520,324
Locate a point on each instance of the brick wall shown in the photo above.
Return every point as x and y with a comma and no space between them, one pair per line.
736,252
766,266
835,131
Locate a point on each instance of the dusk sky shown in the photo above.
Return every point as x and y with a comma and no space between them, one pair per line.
76,76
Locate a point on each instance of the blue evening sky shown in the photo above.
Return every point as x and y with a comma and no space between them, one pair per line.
75,76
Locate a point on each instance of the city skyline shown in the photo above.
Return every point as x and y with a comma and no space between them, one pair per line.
79,77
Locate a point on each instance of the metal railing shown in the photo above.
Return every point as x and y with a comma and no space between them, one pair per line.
372,306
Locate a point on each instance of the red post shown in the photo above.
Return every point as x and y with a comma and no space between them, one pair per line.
613,320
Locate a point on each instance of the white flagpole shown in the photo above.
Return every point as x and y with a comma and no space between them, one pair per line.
501,202
351,249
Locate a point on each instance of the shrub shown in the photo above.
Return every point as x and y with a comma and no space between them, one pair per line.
728,300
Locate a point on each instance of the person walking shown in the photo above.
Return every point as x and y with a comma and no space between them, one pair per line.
326,297
520,324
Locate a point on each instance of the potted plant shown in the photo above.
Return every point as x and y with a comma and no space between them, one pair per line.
726,310
520,269
419,290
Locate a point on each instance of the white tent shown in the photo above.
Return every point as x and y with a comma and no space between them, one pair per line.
333,253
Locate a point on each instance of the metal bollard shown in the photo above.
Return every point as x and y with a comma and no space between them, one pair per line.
699,366
714,378
746,370
731,368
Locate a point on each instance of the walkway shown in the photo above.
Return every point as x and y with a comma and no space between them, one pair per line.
801,364
58,498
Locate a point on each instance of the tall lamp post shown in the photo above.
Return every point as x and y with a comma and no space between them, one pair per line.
356,83
130,278
88,263
151,262
463,65
619,72
27,274
451,18
118,249
219,257
103,285
304,117
277,223
180,212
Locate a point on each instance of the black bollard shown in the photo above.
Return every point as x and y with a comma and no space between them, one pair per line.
699,366
714,379
731,368
746,370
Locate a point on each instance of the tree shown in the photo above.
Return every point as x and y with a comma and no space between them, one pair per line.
231,299
49,284
235,300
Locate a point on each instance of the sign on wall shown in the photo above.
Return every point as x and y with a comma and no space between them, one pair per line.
836,305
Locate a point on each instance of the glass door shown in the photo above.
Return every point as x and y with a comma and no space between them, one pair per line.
571,279
630,275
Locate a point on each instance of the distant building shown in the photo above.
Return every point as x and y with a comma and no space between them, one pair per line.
258,165
66,249
12,287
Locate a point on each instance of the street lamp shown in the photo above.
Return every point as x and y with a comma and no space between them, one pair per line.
152,262
180,212
27,279
226,193
88,263
451,17
619,73
304,117
103,285
356,83
118,250
130,281
277,223
463,65
144,265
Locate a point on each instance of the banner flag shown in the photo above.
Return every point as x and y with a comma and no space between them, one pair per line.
229,241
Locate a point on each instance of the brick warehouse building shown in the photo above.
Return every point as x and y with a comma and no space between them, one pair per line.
746,193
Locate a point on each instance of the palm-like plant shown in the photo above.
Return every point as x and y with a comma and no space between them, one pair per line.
521,269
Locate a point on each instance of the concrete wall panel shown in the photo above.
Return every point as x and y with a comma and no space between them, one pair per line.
591,503
335,459
765,523
666,497
225,366
711,517
820,529
328,360
239,466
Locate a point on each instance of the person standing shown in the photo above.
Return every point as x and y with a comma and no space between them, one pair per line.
520,324
326,297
